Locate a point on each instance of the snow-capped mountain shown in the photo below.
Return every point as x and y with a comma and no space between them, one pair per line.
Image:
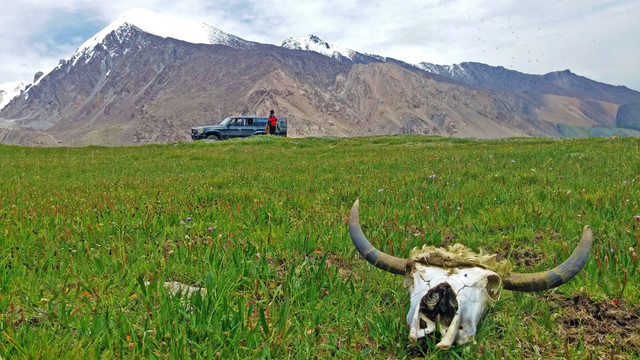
10,90
162,25
314,43
166,26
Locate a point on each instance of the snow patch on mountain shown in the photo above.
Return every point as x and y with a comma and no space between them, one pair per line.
10,90
457,71
314,43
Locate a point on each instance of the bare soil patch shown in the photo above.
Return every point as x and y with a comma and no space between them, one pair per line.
602,324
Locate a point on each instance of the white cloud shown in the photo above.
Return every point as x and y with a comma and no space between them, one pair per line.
593,38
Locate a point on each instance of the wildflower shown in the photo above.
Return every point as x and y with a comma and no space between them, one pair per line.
626,182
188,219
180,175
432,176
210,229
380,190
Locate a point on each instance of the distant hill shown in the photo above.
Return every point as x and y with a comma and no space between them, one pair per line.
629,116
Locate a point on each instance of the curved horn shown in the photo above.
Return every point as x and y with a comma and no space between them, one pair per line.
372,255
555,277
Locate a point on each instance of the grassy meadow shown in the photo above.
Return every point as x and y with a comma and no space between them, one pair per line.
261,223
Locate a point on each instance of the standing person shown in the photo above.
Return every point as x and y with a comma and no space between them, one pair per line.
273,121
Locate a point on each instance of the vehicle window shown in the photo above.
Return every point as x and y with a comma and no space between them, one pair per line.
261,122
249,121
237,122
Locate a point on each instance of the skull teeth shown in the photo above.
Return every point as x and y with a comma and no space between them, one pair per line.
450,336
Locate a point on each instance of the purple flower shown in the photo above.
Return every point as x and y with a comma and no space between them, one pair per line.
210,229
188,219
432,176
380,190
636,217
180,175
626,182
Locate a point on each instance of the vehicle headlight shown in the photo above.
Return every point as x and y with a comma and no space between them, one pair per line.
199,131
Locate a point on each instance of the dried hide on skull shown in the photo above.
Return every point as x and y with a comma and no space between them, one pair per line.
451,288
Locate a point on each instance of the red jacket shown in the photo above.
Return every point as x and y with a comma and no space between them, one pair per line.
273,120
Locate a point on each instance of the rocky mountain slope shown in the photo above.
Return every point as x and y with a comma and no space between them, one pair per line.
135,84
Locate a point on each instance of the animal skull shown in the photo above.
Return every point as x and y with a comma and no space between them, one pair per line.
455,298
451,288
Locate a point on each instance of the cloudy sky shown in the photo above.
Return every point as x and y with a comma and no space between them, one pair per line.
593,38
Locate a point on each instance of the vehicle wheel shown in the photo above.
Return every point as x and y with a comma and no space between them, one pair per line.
213,138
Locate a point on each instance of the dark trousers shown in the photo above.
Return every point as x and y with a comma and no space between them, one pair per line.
272,129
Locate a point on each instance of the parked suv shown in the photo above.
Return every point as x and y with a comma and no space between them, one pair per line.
237,126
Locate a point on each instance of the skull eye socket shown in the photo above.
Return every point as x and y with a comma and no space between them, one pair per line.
494,282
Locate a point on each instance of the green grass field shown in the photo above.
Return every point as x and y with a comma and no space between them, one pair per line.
261,224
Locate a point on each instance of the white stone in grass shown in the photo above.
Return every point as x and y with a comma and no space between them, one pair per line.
177,288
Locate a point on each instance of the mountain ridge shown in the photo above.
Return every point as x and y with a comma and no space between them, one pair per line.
564,83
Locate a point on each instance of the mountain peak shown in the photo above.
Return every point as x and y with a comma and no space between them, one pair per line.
165,26
313,43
